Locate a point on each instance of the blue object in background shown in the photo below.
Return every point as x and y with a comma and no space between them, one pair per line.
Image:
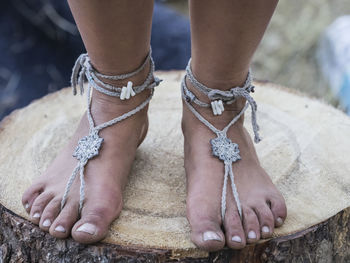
334,58
37,54
170,39
344,92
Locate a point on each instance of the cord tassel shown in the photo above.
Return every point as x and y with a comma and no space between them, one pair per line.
239,92
77,75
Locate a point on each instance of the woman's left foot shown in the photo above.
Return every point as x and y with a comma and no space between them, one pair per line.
263,206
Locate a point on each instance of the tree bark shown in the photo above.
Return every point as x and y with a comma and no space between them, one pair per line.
22,241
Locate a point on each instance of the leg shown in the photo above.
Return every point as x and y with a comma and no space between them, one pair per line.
224,39
116,35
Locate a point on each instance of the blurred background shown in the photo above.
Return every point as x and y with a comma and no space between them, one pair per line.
306,47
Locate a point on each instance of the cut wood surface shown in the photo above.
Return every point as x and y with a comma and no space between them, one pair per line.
305,150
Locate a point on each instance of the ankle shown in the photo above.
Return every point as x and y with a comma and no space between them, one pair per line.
234,107
120,85
119,81
235,97
221,80
102,103
137,79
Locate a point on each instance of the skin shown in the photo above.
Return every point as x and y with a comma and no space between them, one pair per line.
222,48
119,52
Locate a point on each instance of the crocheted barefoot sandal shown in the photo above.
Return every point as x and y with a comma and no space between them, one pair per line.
89,146
222,147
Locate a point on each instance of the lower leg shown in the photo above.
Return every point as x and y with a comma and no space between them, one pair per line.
116,35
225,36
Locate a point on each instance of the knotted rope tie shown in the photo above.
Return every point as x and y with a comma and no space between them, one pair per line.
239,92
233,93
83,70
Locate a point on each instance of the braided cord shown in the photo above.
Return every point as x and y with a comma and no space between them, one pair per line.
189,97
83,69
204,89
206,122
227,96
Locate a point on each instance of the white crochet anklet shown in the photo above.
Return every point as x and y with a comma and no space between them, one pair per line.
219,97
89,146
222,147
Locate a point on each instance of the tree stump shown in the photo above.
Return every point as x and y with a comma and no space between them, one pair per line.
305,149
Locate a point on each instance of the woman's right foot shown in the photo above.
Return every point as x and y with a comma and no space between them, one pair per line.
105,175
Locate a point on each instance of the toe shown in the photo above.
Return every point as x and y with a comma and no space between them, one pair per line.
234,232
29,196
50,213
250,225
62,225
207,234
39,205
94,223
205,222
204,217
279,210
266,220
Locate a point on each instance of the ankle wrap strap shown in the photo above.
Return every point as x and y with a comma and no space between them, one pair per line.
83,70
88,147
215,94
219,97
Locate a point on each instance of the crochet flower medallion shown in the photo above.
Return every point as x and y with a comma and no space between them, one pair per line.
225,149
88,147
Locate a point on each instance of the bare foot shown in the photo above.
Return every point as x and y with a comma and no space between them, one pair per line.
263,206
105,175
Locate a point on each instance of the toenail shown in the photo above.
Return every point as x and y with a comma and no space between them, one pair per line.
47,222
251,234
237,239
279,220
26,206
36,215
210,235
265,229
60,229
88,228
